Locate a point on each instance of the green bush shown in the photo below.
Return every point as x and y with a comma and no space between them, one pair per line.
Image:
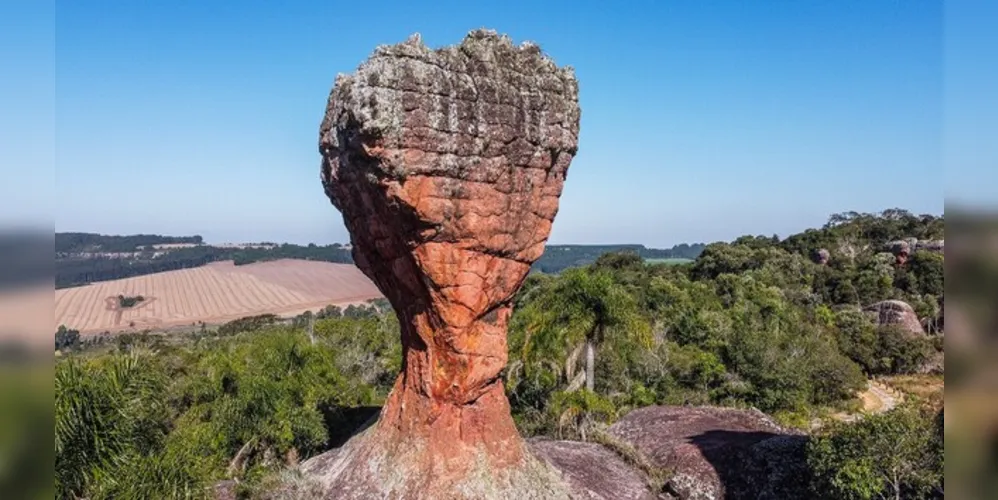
110,412
892,455
899,351
66,339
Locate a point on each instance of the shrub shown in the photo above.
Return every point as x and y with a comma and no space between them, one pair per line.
580,414
66,339
892,455
898,351
129,301
110,412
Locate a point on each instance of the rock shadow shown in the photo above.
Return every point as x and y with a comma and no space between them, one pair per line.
756,464
342,423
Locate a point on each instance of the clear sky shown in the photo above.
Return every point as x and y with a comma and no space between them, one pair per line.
701,120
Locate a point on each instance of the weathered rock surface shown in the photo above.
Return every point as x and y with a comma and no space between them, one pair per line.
895,312
447,166
593,471
822,256
931,245
902,249
717,452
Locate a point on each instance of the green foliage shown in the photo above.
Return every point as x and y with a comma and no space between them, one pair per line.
928,266
247,324
168,422
109,412
893,455
66,339
857,338
129,301
580,414
898,351
583,306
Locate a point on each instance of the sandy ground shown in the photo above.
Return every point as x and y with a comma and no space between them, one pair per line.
212,294
877,398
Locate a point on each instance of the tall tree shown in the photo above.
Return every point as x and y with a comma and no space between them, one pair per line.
576,313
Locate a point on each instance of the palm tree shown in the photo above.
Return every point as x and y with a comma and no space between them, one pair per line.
578,311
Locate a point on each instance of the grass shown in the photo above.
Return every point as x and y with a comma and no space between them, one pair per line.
928,388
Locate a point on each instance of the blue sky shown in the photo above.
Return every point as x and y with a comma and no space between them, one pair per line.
701,121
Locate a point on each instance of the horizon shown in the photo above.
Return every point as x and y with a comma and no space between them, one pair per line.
209,242
708,126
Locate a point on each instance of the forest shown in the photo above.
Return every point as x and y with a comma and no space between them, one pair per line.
92,242
760,322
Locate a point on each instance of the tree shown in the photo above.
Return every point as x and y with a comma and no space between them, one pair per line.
577,313
891,455
928,267
66,338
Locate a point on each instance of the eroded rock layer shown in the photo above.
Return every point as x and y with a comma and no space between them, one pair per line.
447,166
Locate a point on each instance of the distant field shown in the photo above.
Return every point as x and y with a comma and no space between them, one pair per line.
671,261
214,293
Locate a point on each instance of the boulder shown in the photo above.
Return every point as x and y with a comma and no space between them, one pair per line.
931,245
715,452
593,471
822,256
447,166
901,250
895,312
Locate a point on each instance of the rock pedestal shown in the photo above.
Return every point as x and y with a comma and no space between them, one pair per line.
447,166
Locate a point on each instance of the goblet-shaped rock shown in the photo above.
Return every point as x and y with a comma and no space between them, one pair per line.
447,166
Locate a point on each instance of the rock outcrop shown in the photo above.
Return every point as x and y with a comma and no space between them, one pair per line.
822,256
447,166
902,249
715,453
895,312
593,471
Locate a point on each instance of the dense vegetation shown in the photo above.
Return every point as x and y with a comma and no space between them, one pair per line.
557,258
756,322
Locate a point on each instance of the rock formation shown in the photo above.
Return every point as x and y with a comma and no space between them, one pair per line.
447,166
902,249
822,256
895,312
593,471
716,453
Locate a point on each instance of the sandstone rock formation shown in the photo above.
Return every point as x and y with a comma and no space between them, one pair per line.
895,312
902,249
822,256
447,166
716,453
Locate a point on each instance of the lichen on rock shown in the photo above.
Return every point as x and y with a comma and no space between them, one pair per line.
447,166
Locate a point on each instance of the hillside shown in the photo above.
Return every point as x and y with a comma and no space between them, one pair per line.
213,293
82,258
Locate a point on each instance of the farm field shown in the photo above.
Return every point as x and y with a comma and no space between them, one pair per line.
212,294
